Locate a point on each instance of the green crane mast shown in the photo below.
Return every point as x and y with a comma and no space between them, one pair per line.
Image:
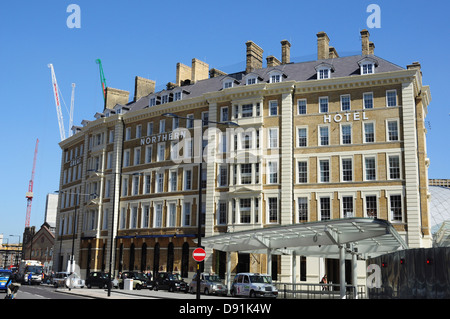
102,78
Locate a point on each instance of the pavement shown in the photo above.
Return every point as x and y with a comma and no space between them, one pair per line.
131,294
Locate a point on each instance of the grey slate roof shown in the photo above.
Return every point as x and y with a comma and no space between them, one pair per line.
302,71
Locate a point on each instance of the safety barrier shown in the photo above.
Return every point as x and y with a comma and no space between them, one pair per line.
318,291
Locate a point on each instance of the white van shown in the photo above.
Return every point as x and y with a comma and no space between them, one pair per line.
253,285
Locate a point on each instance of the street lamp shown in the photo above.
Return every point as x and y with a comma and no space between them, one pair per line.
200,168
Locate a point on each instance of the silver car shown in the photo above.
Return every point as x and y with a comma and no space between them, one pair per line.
253,285
209,284
67,280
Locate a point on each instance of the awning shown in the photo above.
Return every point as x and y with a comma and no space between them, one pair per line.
367,237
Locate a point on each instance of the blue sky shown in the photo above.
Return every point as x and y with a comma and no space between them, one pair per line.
148,38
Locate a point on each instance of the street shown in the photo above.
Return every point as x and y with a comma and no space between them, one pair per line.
42,292
49,292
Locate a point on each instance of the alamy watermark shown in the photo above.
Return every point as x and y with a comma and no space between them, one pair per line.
374,19
74,19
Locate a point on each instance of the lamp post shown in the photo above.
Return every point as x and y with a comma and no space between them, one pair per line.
200,168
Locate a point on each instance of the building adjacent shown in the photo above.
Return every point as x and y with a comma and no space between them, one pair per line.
332,138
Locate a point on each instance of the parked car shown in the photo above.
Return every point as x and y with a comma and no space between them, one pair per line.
65,279
139,279
253,285
4,276
169,281
209,284
97,279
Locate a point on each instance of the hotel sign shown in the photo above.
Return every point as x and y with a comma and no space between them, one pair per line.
163,137
355,116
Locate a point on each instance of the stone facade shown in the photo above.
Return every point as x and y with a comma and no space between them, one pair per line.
305,150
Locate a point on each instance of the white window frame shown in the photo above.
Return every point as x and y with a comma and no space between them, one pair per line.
388,166
387,130
272,142
341,203
364,101
298,128
364,132
272,170
400,193
387,98
183,219
222,114
171,216
298,106
364,196
298,171
365,167
161,152
319,205
328,104
158,215
349,102
341,127
268,221
319,175
273,104
145,218
341,159
323,73
319,136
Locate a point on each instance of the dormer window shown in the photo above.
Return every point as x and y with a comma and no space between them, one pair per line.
165,99
367,65
227,84
177,96
252,78
324,71
152,101
276,76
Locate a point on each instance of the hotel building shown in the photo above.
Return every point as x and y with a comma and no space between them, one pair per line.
333,138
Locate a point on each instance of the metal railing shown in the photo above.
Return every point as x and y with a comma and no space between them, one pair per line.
318,291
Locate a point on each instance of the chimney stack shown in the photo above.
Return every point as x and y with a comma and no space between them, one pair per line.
254,57
114,97
143,87
184,73
368,47
323,46
199,70
272,61
285,52
333,53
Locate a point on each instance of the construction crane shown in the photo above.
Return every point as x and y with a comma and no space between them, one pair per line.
58,98
29,194
72,102
102,78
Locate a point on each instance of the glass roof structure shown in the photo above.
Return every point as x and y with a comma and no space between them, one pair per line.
439,207
440,215
367,237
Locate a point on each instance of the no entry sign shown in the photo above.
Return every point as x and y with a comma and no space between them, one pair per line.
199,254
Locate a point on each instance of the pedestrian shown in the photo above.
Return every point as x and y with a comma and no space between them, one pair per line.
324,282
13,287
30,276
